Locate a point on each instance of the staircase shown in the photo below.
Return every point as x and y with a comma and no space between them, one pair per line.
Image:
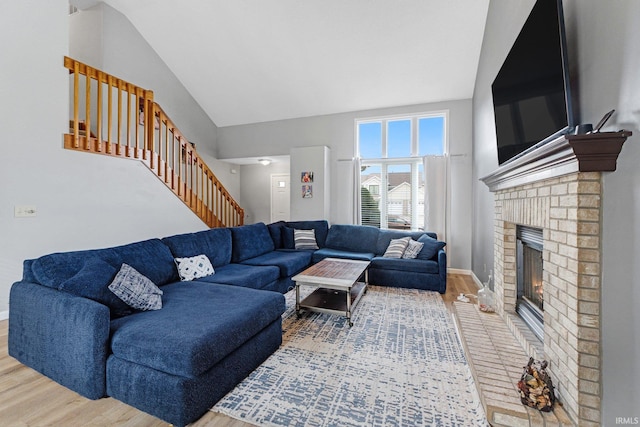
116,118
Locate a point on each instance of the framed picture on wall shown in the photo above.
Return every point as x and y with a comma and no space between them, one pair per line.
306,177
307,191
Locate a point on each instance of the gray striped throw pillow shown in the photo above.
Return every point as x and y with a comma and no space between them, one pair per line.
305,239
396,248
413,249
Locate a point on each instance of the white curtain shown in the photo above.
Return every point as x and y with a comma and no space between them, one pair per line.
435,194
357,211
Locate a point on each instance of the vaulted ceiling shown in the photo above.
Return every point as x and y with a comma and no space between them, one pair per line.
247,61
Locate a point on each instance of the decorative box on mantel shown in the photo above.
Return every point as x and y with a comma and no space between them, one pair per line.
592,152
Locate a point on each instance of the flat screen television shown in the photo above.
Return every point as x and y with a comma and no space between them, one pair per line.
531,93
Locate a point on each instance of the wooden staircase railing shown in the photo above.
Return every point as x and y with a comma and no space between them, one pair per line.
136,127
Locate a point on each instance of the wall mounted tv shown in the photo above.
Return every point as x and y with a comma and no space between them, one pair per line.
531,93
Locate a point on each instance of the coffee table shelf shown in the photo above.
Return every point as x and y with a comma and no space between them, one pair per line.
338,287
333,301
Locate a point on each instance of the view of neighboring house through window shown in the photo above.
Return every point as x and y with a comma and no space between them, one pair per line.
392,178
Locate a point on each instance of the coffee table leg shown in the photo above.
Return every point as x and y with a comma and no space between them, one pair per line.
349,306
366,280
297,299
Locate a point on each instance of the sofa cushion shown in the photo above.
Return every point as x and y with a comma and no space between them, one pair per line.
215,243
198,326
248,276
415,265
250,241
289,262
431,247
323,253
136,290
194,267
288,238
354,238
92,281
275,230
152,258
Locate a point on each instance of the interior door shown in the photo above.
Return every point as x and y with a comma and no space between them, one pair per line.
280,197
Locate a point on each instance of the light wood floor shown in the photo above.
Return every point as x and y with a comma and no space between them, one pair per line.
27,398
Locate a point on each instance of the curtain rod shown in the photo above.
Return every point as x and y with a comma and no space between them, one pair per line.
408,158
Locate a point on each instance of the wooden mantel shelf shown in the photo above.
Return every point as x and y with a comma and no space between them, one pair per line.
592,152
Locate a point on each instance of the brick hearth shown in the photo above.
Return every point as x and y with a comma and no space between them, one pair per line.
496,359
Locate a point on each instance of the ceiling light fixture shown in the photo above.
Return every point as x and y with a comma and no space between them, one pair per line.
264,162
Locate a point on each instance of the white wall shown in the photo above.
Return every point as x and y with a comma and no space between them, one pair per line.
604,41
316,160
337,132
255,193
82,200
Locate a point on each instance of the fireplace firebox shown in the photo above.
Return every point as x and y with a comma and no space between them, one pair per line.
530,295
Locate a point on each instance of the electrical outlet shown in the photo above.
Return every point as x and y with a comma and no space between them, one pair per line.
24,211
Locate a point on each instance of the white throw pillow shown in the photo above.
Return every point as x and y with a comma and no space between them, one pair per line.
194,267
396,247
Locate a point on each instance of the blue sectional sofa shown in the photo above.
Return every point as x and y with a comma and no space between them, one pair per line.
210,333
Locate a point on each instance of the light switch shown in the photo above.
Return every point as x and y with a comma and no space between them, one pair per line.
24,211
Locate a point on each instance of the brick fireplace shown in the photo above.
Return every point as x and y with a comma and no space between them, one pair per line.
558,189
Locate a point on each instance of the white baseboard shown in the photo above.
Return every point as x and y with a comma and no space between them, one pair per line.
466,272
476,280
4,315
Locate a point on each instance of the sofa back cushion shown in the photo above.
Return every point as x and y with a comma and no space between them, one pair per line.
152,258
250,241
215,243
355,238
321,228
275,230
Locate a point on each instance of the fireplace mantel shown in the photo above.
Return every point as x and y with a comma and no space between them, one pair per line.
592,152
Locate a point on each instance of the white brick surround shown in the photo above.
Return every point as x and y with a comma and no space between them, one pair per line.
568,210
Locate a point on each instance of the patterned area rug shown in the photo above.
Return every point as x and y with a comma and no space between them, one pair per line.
401,364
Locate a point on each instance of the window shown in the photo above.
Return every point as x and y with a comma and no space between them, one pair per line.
392,173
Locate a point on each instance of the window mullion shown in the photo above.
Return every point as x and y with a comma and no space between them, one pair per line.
384,187
414,137
414,194
385,147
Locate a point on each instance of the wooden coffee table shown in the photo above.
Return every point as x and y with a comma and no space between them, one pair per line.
339,289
